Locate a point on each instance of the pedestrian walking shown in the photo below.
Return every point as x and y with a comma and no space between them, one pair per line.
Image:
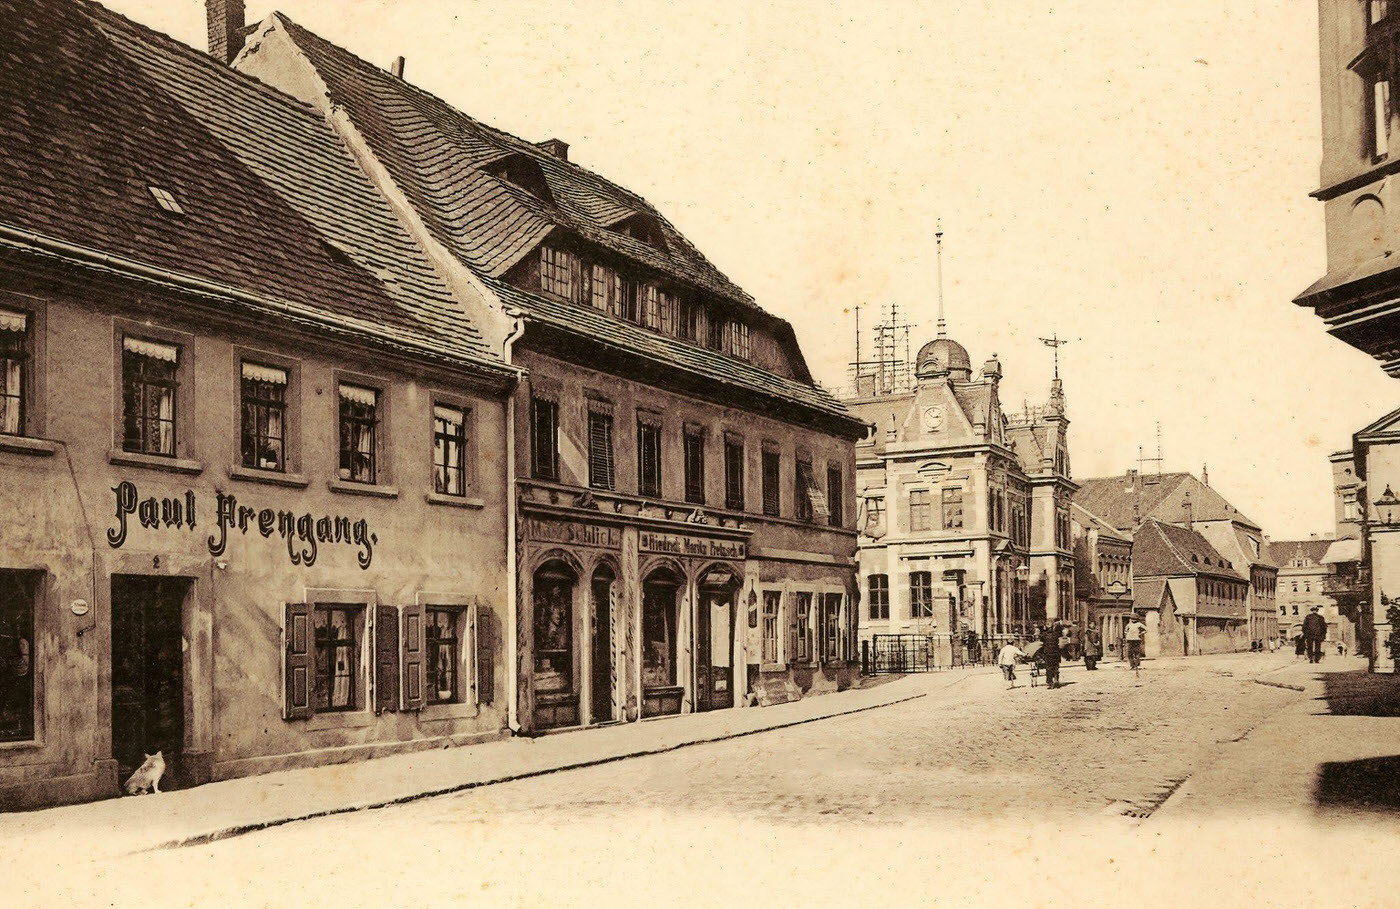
1132,640
1007,660
1299,645
1314,631
1051,654
1092,649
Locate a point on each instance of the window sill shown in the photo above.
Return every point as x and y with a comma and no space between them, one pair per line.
26,745
437,498
155,462
349,719
270,477
362,489
27,445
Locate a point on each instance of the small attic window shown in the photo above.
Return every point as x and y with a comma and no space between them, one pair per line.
523,172
340,256
166,200
1193,557
643,228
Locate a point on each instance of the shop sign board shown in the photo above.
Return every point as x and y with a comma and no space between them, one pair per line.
697,547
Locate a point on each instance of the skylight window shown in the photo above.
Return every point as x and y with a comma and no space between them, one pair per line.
165,200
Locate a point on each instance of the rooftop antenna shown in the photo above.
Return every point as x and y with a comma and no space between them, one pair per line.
938,239
1157,460
1055,342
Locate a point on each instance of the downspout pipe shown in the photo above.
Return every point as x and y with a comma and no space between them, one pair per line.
512,546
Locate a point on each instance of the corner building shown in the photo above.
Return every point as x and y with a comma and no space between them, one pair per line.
681,488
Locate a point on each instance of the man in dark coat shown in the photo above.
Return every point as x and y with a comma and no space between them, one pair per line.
1314,631
1050,637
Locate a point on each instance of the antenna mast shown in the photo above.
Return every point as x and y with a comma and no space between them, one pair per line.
938,239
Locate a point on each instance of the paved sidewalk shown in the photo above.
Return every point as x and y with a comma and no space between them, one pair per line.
218,810
1320,758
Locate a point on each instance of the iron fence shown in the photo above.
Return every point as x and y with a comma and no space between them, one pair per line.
903,653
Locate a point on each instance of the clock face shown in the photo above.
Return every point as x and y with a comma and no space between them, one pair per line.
933,418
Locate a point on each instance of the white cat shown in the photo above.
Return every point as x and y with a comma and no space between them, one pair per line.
147,776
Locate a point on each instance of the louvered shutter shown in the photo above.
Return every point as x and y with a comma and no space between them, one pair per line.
792,627
601,472
485,656
415,668
386,659
815,495
298,669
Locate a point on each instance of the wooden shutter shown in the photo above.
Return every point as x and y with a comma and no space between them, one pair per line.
485,656
792,627
415,663
298,669
386,659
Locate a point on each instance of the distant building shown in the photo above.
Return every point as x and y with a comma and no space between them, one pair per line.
1181,499
1305,580
1103,558
965,508
1192,599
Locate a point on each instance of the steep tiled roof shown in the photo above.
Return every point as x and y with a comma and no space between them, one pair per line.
1104,528
94,110
1158,498
1281,552
435,153
1165,550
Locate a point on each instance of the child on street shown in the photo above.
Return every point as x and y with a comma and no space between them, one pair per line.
1007,658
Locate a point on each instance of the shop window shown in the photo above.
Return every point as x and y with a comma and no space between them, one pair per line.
649,456
835,500
18,593
952,508
264,417
920,510
920,595
658,636
359,433
878,586
694,465
801,627
338,632
444,644
831,628
544,439
14,371
733,473
449,450
554,633
149,387
772,599
602,472
772,473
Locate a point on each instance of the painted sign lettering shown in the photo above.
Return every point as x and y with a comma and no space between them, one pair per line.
573,533
700,547
303,533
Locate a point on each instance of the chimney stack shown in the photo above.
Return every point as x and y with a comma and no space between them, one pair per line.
397,68
556,147
225,28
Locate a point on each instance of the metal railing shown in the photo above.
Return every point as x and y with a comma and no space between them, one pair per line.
905,653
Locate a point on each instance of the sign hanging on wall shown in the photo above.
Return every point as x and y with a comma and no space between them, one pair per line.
303,533
684,545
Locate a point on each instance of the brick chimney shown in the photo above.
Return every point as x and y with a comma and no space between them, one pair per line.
556,147
225,28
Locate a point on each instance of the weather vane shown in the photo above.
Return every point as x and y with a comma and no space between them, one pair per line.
1055,342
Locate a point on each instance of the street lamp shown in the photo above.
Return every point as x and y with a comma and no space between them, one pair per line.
1386,505
1117,589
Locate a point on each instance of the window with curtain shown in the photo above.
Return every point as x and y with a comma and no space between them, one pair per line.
602,473
772,599
359,430
443,627
149,388
264,417
14,361
449,450
337,638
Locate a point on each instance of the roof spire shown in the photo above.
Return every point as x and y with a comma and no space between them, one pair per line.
938,238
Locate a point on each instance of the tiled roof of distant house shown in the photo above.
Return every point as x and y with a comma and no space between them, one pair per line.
1282,552
1165,550
1125,500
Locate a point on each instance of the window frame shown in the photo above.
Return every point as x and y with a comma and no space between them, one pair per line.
920,510
877,588
291,419
835,495
461,659
466,442
770,627
950,508
650,443
359,700
378,473
544,468
262,408
771,475
25,352
921,595
734,456
693,461
31,731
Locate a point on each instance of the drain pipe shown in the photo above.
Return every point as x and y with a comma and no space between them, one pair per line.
512,556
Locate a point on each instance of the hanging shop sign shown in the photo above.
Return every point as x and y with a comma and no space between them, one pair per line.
303,533
683,545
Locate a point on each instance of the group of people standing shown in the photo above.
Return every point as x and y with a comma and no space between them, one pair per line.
1060,641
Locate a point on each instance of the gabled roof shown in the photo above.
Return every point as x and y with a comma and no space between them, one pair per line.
95,110
1157,497
1165,550
1282,552
1104,528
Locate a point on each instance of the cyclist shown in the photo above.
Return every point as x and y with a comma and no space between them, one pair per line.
1132,640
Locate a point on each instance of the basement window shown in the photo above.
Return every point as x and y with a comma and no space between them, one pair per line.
166,200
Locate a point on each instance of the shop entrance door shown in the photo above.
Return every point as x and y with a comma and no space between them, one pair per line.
714,676
148,700
601,688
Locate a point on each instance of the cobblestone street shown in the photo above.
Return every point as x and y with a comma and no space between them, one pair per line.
956,791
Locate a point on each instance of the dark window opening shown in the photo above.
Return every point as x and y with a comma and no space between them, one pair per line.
649,458
337,635
544,439
18,591
772,480
695,467
879,590
734,474
602,472
444,654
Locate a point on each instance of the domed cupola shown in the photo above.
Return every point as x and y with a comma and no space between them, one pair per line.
944,357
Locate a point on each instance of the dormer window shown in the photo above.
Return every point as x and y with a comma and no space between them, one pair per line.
524,172
643,228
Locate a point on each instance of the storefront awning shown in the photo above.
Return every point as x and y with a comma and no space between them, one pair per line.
12,321
1342,551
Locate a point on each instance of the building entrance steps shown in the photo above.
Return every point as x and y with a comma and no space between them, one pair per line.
219,810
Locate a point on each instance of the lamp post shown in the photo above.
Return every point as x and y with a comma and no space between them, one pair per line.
1117,589
1021,595
1385,509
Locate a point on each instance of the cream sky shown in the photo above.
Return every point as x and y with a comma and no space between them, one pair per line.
1132,175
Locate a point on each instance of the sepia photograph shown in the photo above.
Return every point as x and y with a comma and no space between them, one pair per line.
757,452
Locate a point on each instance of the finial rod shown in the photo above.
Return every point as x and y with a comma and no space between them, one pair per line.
938,239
